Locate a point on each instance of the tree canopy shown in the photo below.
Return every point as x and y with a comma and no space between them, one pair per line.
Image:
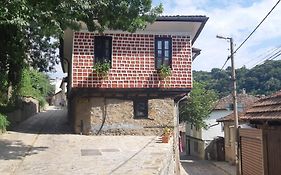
262,79
198,105
30,29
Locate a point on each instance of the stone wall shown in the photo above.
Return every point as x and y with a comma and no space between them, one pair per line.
117,116
27,107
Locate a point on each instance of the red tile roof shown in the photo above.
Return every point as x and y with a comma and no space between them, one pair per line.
245,99
267,108
230,117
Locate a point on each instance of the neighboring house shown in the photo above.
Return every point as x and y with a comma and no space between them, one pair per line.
132,98
59,98
199,138
260,145
229,135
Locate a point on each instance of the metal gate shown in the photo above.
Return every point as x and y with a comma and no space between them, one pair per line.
251,151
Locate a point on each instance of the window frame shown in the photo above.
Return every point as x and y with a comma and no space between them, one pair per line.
100,41
135,105
163,49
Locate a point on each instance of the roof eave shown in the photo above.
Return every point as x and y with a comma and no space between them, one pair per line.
201,19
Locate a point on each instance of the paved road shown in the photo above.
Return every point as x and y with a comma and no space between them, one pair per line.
193,166
43,145
51,121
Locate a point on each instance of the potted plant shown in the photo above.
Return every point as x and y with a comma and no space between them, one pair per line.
164,71
102,68
166,135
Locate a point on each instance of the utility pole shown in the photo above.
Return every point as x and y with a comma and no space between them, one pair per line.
235,111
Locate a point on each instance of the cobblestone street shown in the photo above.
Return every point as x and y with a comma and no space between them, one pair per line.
43,145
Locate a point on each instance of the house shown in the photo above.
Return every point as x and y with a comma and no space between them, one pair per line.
260,145
132,97
199,138
244,102
229,135
59,98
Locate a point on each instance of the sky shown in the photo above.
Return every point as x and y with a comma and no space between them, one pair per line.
236,19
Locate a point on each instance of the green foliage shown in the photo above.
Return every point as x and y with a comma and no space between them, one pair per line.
3,89
198,106
4,123
261,80
165,71
101,68
31,30
36,85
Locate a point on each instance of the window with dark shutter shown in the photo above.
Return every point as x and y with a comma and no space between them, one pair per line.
140,108
163,52
103,49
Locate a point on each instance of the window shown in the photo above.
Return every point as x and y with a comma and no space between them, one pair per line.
163,52
141,108
103,48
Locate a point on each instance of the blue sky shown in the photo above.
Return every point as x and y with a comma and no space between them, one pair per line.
236,19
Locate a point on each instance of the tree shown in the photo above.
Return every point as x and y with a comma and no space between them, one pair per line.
262,79
35,84
31,30
198,106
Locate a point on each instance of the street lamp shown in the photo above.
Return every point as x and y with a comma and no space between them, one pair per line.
234,93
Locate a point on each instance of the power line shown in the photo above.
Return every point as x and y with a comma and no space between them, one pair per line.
256,27
262,56
271,56
225,62
252,32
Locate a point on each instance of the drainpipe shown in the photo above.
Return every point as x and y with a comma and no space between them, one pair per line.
176,135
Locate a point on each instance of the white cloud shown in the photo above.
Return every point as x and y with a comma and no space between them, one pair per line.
235,19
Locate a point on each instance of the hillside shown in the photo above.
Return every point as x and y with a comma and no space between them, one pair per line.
260,80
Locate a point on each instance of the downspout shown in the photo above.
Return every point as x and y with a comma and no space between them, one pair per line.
176,136
103,116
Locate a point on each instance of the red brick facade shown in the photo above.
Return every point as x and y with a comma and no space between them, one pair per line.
133,62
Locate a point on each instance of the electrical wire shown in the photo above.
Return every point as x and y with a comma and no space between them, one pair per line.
262,56
225,62
256,27
251,33
272,57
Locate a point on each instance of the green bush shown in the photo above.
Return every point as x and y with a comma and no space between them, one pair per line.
4,123
36,85
165,71
102,68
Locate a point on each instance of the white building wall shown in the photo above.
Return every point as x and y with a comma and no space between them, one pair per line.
215,128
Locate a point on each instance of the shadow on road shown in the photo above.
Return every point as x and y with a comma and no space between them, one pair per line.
17,149
51,121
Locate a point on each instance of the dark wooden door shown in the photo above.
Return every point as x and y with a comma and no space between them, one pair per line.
273,139
251,151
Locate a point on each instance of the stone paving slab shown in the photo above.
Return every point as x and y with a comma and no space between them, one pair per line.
22,154
42,145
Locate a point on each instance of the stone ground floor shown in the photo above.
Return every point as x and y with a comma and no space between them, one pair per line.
43,145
